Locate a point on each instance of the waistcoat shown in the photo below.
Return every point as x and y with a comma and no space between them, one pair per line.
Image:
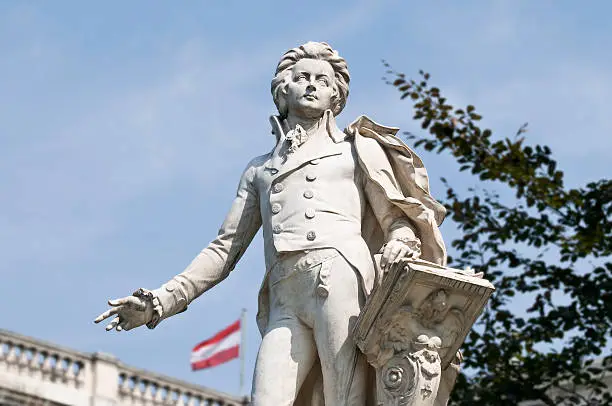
315,199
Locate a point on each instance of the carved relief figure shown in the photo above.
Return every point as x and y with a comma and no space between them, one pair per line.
328,200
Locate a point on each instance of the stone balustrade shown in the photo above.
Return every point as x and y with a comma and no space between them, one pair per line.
42,361
63,376
138,387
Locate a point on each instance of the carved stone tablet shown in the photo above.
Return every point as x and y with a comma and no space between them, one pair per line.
413,325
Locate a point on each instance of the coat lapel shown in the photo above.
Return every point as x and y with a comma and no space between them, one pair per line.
320,146
323,144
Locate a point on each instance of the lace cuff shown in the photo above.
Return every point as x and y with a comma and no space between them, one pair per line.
158,311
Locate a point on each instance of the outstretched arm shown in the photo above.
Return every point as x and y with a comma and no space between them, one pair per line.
218,259
211,266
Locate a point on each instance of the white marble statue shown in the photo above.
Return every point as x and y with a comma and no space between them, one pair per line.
328,200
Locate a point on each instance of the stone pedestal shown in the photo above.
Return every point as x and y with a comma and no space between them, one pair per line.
412,327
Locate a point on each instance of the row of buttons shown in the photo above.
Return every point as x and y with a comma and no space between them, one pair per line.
278,187
310,212
308,194
310,236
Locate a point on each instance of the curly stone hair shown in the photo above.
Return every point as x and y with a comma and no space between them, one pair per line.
311,50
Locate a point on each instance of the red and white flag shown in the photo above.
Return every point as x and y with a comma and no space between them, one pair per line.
224,346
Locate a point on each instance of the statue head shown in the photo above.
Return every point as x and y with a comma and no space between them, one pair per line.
309,80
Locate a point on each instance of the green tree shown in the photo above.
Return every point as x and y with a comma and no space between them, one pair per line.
546,244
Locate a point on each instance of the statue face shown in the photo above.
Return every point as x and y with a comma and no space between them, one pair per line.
311,88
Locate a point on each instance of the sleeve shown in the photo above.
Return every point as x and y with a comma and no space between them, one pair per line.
393,221
214,263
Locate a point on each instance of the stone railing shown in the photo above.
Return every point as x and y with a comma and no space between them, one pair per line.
138,387
44,370
66,377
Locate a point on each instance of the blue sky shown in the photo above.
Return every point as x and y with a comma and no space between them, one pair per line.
124,128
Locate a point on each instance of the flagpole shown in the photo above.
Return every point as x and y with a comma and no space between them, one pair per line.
242,347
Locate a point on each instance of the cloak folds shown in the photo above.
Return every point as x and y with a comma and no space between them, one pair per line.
400,173
398,170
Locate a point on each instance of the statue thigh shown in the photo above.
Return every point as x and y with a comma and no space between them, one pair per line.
308,322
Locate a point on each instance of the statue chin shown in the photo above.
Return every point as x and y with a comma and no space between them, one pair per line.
308,110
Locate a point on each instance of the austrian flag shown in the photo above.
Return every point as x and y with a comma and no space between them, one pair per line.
224,346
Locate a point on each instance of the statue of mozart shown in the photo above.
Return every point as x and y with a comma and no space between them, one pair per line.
328,201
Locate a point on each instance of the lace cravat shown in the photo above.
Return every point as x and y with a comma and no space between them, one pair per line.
296,137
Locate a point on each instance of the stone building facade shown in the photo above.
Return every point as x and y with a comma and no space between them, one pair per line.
38,373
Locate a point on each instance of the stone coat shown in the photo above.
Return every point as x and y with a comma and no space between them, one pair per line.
350,190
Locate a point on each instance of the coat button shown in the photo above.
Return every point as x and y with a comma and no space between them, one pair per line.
309,261
311,236
322,291
276,207
277,229
310,212
278,187
310,177
308,194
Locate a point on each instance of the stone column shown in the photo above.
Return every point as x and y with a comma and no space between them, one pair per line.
105,380
412,327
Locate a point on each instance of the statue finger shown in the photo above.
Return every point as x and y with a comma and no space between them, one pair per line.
386,255
394,252
400,254
415,253
124,325
106,314
397,255
113,324
408,253
118,302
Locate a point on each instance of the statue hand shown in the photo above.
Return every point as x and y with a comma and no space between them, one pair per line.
396,249
131,312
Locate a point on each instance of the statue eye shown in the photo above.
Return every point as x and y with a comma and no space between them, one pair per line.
301,78
324,81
